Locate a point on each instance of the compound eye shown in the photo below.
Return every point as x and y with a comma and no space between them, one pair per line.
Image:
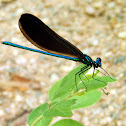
99,59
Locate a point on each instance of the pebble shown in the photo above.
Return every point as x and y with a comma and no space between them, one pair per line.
6,1
119,1
124,9
1,112
119,123
113,92
67,68
11,70
1,19
104,105
124,73
12,106
46,20
120,75
8,110
32,60
20,11
42,83
111,5
119,59
15,52
122,35
85,119
54,77
41,57
95,42
29,103
1,102
108,119
90,11
86,51
8,94
123,45
14,39
98,5
21,60
18,98
108,54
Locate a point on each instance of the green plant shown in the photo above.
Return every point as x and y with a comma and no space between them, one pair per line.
64,98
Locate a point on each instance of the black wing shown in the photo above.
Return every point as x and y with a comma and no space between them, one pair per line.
46,39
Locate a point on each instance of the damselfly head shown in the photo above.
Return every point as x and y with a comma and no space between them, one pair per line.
97,62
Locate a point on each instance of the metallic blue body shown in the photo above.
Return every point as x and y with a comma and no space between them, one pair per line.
85,60
39,51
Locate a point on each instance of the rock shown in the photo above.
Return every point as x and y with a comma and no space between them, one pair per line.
119,59
122,35
90,11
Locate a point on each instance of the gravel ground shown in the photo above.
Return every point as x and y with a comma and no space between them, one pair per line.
98,28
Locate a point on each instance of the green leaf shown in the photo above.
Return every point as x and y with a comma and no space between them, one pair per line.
36,118
96,82
42,115
67,84
62,109
67,122
42,122
64,99
53,89
52,93
87,99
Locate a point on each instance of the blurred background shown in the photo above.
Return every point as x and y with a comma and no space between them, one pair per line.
97,28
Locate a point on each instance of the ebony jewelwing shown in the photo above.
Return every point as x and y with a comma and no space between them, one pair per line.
40,35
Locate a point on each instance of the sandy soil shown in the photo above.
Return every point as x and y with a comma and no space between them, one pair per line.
98,28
